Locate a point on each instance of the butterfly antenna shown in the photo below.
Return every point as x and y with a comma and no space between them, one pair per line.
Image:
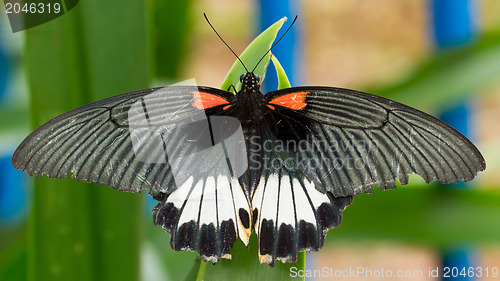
206,18
275,43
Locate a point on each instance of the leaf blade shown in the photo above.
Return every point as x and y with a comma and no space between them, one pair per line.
252,54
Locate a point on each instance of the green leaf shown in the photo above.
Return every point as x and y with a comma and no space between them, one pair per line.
19,116
170,29
197,273
175,264
251,56
283,82
82,231
13,257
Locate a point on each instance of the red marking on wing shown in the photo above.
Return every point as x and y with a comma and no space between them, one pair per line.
204,100
295,101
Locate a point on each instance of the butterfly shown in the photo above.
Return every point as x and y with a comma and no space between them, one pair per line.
284,164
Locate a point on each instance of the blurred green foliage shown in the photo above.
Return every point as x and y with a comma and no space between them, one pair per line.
449,77
429,215
79,231
171,24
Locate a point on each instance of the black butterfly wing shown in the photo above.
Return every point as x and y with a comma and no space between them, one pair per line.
323,145
157,140
350,140
116,141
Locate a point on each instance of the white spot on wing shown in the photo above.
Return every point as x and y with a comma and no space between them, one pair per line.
304,208
180,194
225,200
270,202
240,201
191,209
286,212
208,207
212,259
257,203
316,196
265,259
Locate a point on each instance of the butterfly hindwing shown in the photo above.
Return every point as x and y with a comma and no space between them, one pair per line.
205,217
293,216
210,210
291,213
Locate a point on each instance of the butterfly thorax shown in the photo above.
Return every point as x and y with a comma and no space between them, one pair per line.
250,101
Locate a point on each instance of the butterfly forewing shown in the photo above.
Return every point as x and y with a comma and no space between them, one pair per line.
120,141
354,140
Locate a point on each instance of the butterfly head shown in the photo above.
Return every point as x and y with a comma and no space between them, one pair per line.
250,82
